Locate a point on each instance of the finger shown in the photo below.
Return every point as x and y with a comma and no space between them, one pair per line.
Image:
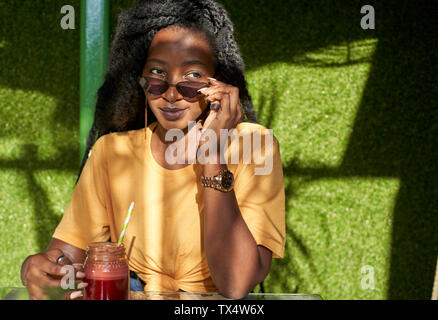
41,279
202,90
234,104
78,267
215,105
45,281
215,82
198,127
76,294
82,285
211,90
204,112
53,254
52,268
209,120
56,260
215,98
227,107
213,95
224,101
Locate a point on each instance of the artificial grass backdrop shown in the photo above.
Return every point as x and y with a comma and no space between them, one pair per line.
354,111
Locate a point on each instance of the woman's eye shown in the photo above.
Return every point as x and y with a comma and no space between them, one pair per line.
157,72
194,75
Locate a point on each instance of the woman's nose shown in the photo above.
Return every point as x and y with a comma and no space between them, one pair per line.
172,95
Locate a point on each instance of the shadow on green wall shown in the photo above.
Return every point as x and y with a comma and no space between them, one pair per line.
395,130
395,135
37,55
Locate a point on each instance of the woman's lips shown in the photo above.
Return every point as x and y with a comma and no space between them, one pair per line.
172,114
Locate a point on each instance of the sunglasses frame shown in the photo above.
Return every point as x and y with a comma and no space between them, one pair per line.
143,83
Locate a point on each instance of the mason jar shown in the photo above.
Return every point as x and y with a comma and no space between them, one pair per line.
106,272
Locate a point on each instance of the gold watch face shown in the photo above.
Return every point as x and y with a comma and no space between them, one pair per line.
227,180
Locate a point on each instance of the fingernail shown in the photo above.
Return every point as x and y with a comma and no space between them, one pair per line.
82,285
211,79
75,294
78,266
80,274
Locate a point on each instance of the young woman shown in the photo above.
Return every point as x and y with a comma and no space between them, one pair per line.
173,63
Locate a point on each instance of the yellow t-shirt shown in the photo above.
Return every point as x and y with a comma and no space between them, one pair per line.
164,238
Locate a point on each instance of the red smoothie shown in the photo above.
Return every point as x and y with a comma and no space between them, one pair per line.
106,282
106,272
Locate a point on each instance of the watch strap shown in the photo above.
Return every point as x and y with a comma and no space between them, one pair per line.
213,182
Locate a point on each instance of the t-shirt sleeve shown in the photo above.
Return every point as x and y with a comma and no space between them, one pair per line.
259,190
85,219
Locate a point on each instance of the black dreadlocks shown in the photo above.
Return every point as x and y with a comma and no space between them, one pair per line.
120,100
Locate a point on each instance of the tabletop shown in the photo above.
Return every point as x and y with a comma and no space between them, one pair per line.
20,293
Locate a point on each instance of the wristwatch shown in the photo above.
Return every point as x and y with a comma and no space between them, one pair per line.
224,181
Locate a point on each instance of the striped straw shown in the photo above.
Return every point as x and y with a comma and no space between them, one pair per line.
122,235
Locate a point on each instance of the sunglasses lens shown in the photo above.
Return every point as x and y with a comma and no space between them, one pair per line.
189,89
156,86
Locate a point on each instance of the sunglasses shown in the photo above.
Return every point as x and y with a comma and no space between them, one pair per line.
188,89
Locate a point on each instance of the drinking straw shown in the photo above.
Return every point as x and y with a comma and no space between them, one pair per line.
128,216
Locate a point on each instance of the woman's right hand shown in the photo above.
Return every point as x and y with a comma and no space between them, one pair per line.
41,271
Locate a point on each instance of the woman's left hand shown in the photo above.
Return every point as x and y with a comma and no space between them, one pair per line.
230,112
